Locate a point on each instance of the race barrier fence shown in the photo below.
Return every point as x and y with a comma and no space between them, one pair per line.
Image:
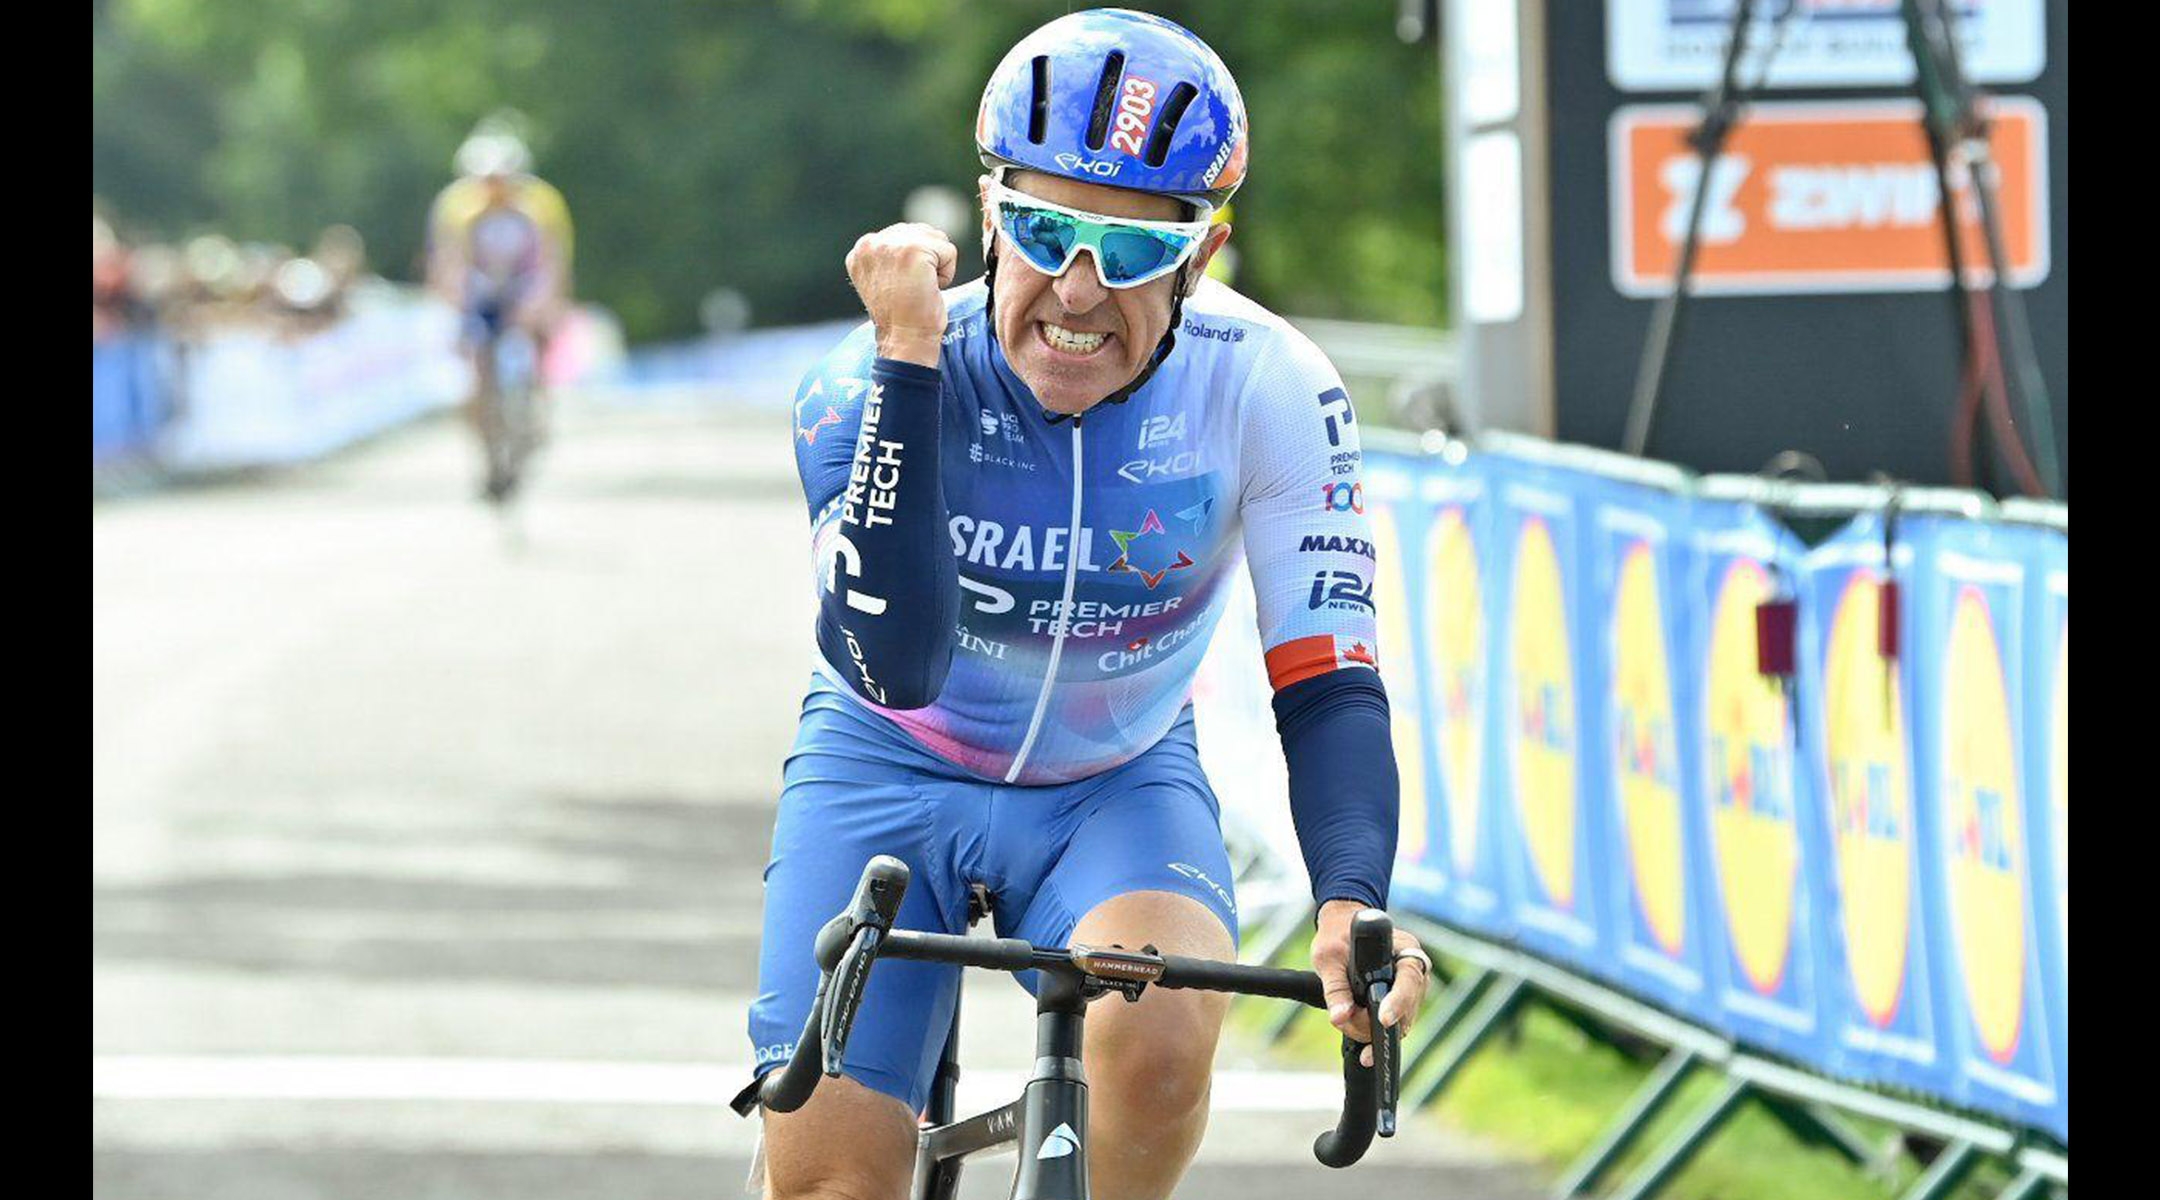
256,395
1797,812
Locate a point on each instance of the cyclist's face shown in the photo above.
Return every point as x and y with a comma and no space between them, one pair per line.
1064,379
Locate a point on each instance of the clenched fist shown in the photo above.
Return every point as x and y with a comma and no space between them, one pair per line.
898,271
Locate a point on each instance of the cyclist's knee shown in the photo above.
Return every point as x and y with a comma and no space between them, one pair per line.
847,1143
1153,1060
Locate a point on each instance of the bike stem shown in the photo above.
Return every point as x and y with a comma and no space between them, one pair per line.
1053,1109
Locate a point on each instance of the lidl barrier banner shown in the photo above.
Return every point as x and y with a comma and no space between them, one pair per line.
1431,530
1968,584
1743,723
1857,739
1554,844
1639,774
1815,800
2047,789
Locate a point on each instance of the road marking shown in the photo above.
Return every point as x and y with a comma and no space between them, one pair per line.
540,1081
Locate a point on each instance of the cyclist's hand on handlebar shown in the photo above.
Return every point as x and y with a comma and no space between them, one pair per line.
898,272
1331,961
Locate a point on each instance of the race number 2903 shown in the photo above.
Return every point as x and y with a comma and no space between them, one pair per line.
1134,109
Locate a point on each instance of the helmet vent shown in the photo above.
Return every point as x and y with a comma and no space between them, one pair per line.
1039,111
1113,71
1173,111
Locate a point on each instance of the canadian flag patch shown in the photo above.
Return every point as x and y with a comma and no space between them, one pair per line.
1302,658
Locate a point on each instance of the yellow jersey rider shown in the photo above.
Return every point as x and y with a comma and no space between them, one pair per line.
499,249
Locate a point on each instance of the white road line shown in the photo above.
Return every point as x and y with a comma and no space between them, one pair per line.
539,1081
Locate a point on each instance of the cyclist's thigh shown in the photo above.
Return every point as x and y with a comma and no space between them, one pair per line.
1151,825
846,799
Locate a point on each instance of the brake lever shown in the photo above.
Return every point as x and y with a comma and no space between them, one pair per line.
840,1000
847,948
1369,1093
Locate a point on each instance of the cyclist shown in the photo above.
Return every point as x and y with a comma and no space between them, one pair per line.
499,243
1028,495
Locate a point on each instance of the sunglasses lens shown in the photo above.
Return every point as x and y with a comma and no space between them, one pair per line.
1046,238
1131,255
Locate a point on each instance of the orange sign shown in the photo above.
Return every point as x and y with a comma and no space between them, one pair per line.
1827,196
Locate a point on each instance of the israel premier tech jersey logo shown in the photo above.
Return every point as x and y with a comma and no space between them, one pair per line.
1164,557
1983,826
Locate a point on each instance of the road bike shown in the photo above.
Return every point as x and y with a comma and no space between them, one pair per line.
508,401
1048,1123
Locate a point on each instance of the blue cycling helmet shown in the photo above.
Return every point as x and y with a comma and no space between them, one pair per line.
1122,98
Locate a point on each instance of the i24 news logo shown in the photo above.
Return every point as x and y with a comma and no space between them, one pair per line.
1340,589
1168,427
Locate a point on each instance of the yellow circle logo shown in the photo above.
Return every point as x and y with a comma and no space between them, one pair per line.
1544,741
1403,703
1645,757
1750,769
1983,824
1455,646
1870,798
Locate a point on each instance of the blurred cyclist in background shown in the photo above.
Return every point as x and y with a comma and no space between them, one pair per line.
499,244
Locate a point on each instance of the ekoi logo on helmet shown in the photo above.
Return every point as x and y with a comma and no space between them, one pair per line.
1080,166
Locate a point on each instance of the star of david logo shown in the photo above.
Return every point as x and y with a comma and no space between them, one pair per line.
808,433
1151,526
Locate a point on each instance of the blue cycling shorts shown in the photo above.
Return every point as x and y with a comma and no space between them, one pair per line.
856,786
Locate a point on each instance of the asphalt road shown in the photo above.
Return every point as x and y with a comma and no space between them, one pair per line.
426,864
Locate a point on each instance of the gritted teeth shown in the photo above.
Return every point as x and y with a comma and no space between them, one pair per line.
1072,341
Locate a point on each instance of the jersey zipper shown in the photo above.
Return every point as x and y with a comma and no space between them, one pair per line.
1063,614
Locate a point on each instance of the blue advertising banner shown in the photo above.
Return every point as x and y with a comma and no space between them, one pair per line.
1431,526
1554,854
2047,789
127,395
1761,816
1968,609
1387,497
1639,778
1856,744
1814,799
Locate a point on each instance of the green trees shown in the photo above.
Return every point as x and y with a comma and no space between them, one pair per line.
732,144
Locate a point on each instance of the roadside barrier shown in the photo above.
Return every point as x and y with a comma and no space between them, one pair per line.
253,395
1798,812
127,397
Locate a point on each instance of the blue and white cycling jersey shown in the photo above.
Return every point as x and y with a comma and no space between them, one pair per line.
1093,551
